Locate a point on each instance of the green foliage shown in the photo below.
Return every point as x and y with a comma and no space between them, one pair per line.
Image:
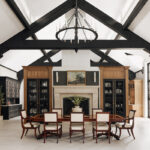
1,96
76,100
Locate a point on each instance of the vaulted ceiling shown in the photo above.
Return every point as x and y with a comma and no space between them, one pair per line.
131,14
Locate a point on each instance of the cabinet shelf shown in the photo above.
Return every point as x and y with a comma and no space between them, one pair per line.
40,103
114,102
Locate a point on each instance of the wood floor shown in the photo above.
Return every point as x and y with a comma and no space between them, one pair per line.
10,132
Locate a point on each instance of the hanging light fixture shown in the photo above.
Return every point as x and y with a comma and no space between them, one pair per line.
76,28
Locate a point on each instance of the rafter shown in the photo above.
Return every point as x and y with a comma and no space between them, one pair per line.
111,23
40,61
55,44
130,19
25,23
40,23
111,62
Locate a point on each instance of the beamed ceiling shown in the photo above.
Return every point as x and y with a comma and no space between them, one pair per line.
122,26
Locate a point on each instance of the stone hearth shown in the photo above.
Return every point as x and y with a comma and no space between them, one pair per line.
90,92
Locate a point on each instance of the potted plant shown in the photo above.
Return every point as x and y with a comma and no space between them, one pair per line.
76,100
1,101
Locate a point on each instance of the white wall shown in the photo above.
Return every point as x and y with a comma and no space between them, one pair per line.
140,75
77,61
6,72
22,93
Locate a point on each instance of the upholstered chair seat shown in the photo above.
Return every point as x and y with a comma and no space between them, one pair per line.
52,127
34,124
27,124
77,123
102,125
127,124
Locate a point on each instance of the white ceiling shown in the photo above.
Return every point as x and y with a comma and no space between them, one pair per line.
34,9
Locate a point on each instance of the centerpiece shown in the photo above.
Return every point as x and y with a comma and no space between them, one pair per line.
76,100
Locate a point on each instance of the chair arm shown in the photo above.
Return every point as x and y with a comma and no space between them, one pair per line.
29,120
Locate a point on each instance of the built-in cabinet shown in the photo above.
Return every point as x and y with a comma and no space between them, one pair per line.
37,89
10,88
114,96
136,97
114,90
37,96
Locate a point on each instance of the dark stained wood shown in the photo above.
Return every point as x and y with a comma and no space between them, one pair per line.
55,44
113,118
40,23
111,23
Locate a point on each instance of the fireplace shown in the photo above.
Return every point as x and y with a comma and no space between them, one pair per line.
68,105
89,92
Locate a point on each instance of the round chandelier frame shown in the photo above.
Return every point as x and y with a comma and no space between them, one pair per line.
77,27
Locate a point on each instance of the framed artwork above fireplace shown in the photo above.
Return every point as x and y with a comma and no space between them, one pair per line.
76,78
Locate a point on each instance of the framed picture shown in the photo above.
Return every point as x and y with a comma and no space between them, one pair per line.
76,77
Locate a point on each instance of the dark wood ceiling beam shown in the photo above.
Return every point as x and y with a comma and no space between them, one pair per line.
130,19
56,44
40,61
134,13
25,23
103,56
111,62
40,23
111,23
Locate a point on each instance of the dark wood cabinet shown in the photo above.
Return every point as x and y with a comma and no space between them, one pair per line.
11,111
114,96
37,96
11,90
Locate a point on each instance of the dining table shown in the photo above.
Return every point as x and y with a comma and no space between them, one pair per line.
113,119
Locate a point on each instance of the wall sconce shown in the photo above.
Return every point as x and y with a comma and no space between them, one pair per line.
94,77
56,77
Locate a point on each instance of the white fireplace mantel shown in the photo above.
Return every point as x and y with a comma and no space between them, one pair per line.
90,92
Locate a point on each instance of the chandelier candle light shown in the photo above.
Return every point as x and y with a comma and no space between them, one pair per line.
78,31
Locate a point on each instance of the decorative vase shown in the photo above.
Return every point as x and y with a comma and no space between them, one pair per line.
77,109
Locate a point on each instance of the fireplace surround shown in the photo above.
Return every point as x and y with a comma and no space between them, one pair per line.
89,92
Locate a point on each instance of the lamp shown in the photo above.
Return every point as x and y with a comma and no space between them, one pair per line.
81,30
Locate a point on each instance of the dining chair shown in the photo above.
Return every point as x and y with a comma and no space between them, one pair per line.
51,125
128,124
77,123
95,110
58,110
26,123
102,125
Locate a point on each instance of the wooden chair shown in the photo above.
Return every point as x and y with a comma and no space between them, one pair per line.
27,124
77,123
102,126
58,110
128,124
51,125
95,110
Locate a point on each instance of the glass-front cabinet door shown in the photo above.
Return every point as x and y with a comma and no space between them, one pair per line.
38,96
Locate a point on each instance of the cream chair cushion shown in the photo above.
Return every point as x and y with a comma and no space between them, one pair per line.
52,127
102,126
76,127
59,112
50,117
103,117
76,117
24,114
95,111
120,125
35,125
